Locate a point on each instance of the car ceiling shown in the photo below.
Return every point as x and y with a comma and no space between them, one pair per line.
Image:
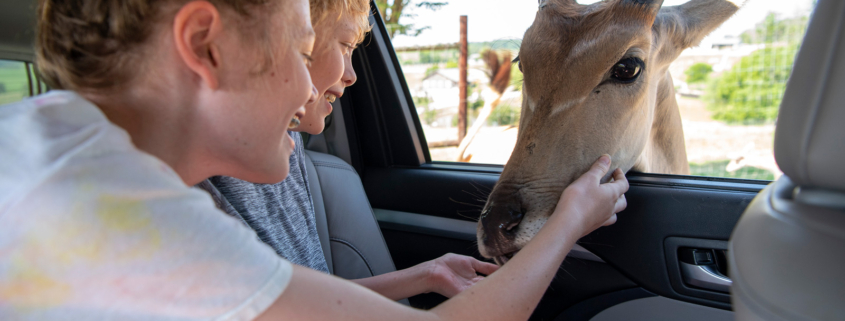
17,29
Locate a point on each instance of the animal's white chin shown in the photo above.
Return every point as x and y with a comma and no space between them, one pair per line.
330,97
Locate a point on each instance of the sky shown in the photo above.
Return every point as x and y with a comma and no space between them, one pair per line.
490,20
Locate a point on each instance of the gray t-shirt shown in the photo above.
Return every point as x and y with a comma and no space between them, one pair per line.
281,214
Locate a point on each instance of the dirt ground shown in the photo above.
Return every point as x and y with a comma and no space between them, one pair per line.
706,141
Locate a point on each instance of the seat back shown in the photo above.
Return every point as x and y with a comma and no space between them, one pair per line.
787,252
349,232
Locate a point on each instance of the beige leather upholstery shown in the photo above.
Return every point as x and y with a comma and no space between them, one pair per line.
787,259
319,209
810,134
787,253
349,232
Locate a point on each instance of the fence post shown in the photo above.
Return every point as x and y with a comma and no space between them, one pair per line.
462,83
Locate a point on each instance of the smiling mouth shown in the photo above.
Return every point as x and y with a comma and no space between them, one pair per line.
294,122
502,259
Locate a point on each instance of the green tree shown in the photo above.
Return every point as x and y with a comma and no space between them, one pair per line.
516,78
698,72
438,56
393,10
506,115
772,30
752,90
428,115
478,103
430,70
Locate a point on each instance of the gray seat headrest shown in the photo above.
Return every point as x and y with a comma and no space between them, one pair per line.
17,29
810,132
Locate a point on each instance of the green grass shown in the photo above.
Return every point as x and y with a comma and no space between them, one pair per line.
14,85
717,169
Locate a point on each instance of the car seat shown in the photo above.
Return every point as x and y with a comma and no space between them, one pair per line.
787,253
351,239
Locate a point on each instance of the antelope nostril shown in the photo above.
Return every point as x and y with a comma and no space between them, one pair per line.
515,218
502,215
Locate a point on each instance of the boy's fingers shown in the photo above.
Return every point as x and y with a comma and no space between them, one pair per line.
621,204
600,167
619,175
484,267
620,183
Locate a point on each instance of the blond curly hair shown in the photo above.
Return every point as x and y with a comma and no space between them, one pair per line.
358,10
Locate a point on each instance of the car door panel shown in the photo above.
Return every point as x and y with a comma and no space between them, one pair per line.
632,251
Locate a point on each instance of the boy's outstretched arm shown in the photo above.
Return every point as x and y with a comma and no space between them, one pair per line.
447,275
511,293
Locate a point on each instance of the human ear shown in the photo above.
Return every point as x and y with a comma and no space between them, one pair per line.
196,27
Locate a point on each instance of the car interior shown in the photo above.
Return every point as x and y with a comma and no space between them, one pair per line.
686,248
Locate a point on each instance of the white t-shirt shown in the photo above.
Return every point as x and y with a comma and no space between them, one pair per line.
91,228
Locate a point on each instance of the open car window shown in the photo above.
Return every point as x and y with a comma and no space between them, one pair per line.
728,88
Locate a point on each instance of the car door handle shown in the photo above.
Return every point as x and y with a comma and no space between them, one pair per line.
705,277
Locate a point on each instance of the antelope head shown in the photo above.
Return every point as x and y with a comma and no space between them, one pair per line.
596,82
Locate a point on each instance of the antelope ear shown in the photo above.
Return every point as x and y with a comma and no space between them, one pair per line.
684,26
648,7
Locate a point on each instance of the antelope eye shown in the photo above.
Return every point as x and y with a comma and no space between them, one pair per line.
627,70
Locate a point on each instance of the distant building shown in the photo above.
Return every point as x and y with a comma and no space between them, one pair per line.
437,80
441,87
728,42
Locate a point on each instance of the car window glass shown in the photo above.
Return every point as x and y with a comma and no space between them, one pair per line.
728,88
14,81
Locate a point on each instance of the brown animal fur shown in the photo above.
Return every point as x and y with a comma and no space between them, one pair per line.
573,112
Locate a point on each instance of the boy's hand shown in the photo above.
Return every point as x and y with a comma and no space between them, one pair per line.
590,204
452,273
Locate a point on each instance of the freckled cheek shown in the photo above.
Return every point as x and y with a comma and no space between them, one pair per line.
339,67
333,71
328,74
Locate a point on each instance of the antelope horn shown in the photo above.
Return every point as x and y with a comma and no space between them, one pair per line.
647,3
